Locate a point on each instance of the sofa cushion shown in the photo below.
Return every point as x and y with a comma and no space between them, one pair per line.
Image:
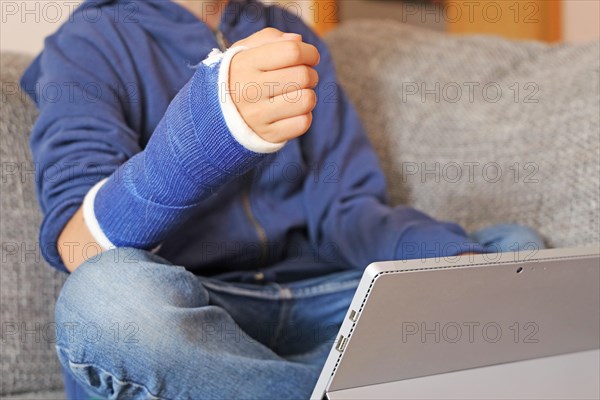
513,135
28,287
546,144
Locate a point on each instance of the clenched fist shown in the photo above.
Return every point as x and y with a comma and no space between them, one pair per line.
272,84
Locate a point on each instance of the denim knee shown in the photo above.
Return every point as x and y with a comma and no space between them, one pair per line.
124,274
114,307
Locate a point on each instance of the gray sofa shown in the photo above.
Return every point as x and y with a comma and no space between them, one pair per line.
478,130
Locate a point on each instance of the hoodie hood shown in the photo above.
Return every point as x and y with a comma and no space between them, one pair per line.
160,18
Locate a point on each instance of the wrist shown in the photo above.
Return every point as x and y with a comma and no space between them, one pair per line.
190,155
89,217
238,127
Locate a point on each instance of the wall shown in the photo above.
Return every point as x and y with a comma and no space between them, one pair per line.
515,19
580,20
428,16
24,24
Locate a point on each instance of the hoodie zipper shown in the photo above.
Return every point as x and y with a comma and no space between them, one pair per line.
221,41
260,231
258,228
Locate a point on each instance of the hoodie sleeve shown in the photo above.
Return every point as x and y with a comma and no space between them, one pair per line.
87,143
81,135
345,196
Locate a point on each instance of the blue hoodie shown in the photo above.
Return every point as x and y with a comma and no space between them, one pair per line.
319,205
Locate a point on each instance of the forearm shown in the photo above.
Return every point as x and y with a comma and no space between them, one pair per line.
76,244
204,140
148,196
201,143
190,155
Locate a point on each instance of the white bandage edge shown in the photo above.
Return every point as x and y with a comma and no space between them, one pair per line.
89,217
239,129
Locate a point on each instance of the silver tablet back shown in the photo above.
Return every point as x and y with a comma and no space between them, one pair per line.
418,318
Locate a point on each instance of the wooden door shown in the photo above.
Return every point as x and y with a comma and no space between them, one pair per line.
518,19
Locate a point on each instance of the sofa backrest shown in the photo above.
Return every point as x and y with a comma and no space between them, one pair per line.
442,154
478,129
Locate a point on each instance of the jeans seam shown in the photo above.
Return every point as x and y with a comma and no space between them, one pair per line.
78,364
273,295
284,312
326,288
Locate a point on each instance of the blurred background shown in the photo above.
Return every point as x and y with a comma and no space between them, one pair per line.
24,24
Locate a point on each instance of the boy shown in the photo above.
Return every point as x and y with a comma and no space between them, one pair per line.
250,169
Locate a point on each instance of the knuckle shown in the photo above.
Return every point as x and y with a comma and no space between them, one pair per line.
315,78
309,99
293,52
270,31
304,77
303,122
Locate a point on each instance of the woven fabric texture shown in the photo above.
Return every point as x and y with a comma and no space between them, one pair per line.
519,142
443,155
28,288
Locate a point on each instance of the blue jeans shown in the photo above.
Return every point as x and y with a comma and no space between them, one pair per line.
131,325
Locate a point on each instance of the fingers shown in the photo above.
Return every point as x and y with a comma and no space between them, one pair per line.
276,78
290,105
283,54
290,79
287,129
267,35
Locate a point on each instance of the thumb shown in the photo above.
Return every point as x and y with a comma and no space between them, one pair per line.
267,35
